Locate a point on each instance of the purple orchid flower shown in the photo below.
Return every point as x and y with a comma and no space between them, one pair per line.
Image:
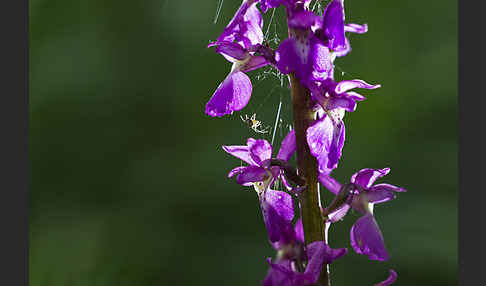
245,28
303,53
287,269
234,92
285,272
256,153
331,30
326,136
366,237
277,206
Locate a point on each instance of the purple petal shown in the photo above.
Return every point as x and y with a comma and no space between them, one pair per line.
252,26
281,202
390,280
290,235
260,150
287,237
379,196
336,145
356,28
346,85
278,274
231,95
245,27
286,56
367,177
333,25
278,210
366,238
251,174
354,96
338,214
302,20
344,51
387,187
299,230
320,253
309,58
267,4
282,274
319,137
341,102
330,183
230,50
382,193
288,146
326,141
255,62
320,58
240,152
235,171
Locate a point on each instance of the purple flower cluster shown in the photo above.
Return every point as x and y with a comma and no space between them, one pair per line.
314,42
278,212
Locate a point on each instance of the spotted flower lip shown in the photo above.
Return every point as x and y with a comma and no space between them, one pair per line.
278,211
366,237
326,139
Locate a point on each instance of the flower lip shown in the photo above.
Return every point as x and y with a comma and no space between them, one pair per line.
231,95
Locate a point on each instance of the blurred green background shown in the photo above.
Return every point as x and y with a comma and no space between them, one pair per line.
128,176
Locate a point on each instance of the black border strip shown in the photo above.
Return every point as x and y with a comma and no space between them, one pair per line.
471,144
14,117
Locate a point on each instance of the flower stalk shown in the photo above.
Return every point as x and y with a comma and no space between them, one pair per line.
309,199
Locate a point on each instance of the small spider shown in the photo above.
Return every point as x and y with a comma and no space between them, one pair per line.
253,123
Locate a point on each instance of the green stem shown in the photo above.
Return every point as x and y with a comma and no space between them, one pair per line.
310,203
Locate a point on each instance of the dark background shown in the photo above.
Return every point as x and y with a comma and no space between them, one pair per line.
128,178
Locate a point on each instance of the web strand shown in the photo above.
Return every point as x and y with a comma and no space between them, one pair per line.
270,23
218,11
276,120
